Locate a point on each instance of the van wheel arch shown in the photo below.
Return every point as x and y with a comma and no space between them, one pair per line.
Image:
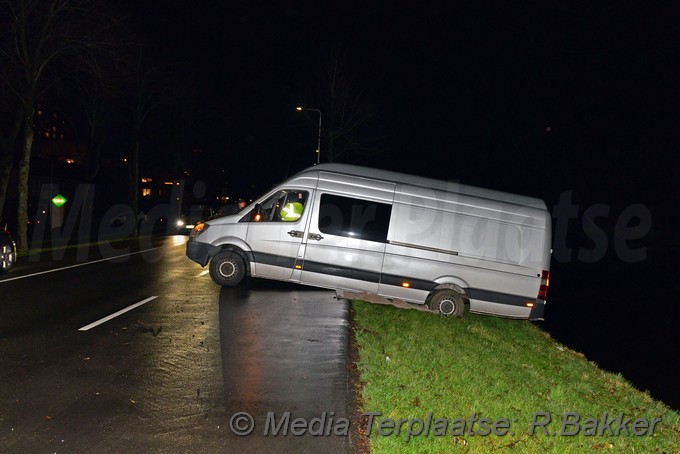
451,286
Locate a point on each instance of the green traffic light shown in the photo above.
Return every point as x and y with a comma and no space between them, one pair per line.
58,200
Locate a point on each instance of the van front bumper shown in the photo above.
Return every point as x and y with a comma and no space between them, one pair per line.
201,253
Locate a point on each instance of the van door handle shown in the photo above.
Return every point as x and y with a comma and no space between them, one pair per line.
315,236
296,233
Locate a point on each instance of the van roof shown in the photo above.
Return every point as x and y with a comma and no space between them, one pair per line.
397,177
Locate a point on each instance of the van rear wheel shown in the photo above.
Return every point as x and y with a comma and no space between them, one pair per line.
227,269
447,303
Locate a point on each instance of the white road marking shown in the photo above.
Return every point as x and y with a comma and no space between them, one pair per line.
116,314
79,264
202,273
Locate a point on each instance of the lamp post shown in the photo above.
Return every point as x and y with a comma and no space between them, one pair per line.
318,145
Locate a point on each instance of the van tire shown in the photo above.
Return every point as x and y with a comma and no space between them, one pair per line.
447,303
227,269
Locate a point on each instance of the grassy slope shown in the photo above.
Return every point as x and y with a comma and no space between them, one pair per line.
496,368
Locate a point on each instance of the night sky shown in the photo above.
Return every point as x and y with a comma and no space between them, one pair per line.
536,98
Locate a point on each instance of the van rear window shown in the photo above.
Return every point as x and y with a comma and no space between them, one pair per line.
354,218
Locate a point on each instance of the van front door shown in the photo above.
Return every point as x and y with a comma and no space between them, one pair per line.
275,235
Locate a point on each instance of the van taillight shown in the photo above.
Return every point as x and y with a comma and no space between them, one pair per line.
543,289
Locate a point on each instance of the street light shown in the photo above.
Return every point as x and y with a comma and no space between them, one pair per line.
318,145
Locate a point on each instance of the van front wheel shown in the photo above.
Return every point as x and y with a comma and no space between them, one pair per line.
447,303
227,269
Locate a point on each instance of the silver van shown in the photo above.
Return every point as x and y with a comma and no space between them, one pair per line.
397,236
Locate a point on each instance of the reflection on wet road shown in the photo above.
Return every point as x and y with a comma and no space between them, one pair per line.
285,351
168,375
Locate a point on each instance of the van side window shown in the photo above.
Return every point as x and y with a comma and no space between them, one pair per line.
284,206
354,218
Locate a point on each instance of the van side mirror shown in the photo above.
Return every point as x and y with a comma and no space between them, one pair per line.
256,214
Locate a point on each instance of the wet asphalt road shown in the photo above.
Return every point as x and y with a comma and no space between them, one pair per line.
170,374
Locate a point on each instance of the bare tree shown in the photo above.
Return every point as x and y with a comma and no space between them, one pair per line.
46,38
96,106
11,118
10,128
187,114
350,122
148,91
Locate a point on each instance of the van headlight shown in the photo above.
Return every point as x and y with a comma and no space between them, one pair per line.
200,228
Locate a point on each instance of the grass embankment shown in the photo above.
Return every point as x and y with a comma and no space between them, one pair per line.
413,363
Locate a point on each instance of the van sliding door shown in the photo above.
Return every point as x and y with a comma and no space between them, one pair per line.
347,233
